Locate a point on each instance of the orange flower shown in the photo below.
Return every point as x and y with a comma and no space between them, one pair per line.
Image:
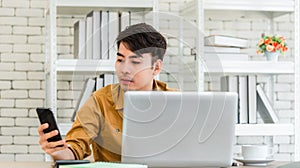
271,44
270,48
268,41
261,41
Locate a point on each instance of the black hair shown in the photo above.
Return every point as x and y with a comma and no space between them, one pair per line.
143,38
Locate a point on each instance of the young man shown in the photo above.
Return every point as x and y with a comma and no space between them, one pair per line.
99,122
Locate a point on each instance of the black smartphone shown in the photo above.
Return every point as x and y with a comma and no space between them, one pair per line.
68,162
46,116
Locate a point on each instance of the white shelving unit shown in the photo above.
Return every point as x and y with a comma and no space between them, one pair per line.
67,65
53,65
264,129
250,67
195,10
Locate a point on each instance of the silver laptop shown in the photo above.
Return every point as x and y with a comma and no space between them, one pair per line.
179,129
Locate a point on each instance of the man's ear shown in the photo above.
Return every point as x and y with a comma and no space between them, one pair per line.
157,66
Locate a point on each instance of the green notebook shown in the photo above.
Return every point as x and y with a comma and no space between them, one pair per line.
104,165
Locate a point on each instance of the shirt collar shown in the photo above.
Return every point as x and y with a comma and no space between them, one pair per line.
118,93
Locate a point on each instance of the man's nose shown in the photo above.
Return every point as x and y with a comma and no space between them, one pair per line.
125,68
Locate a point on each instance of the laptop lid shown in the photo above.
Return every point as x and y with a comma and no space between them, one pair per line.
179,129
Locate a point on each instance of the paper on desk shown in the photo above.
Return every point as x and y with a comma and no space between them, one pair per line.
104,165
290,165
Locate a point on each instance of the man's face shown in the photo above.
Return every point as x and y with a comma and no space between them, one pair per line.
135,72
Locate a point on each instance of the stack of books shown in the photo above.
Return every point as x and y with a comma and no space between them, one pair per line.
91,85
94,36
224,48
252,99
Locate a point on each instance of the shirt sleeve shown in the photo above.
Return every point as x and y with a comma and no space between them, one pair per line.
85,128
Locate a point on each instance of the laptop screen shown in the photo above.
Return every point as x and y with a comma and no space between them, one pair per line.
179,129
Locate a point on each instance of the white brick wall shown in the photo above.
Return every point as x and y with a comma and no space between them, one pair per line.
22,38
21,74
15,3
13,39
14,112
13,21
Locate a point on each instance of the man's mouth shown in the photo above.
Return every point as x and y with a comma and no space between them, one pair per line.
126,81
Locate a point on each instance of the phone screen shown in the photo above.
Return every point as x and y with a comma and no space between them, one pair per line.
46,116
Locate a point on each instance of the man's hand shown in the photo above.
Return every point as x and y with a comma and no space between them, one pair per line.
59,149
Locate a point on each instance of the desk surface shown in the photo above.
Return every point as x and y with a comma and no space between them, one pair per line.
49,165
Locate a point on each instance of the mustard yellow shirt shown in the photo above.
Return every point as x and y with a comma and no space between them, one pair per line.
99,123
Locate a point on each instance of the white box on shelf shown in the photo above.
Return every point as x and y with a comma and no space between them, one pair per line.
243,100
79,39
95,33
216,49
264,107
221,40
125,20
113,33
89,38
104,35
252,99
222,57
230,84
86,92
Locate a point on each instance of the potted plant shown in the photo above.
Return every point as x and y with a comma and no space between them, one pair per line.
272,46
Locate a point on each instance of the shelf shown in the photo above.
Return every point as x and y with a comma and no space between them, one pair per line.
264,129
254,5
240,129
79,7
277,6
73,65
250,67
196,11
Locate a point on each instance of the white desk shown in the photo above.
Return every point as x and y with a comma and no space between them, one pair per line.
26,164
50,165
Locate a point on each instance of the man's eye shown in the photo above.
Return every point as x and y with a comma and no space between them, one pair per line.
119,60
136,62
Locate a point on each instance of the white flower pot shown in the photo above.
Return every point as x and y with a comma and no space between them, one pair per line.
272,56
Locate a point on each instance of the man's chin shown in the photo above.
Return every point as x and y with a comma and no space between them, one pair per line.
126,88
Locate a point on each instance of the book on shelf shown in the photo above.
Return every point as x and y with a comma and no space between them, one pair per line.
94,36
252,99
104,34
113,31
95,15
99,81
225,57
79,39
104,165
228,41
230,84
264,107
89,38
87,90
216,49
108,79
252,105
125,20
243,99
135,18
